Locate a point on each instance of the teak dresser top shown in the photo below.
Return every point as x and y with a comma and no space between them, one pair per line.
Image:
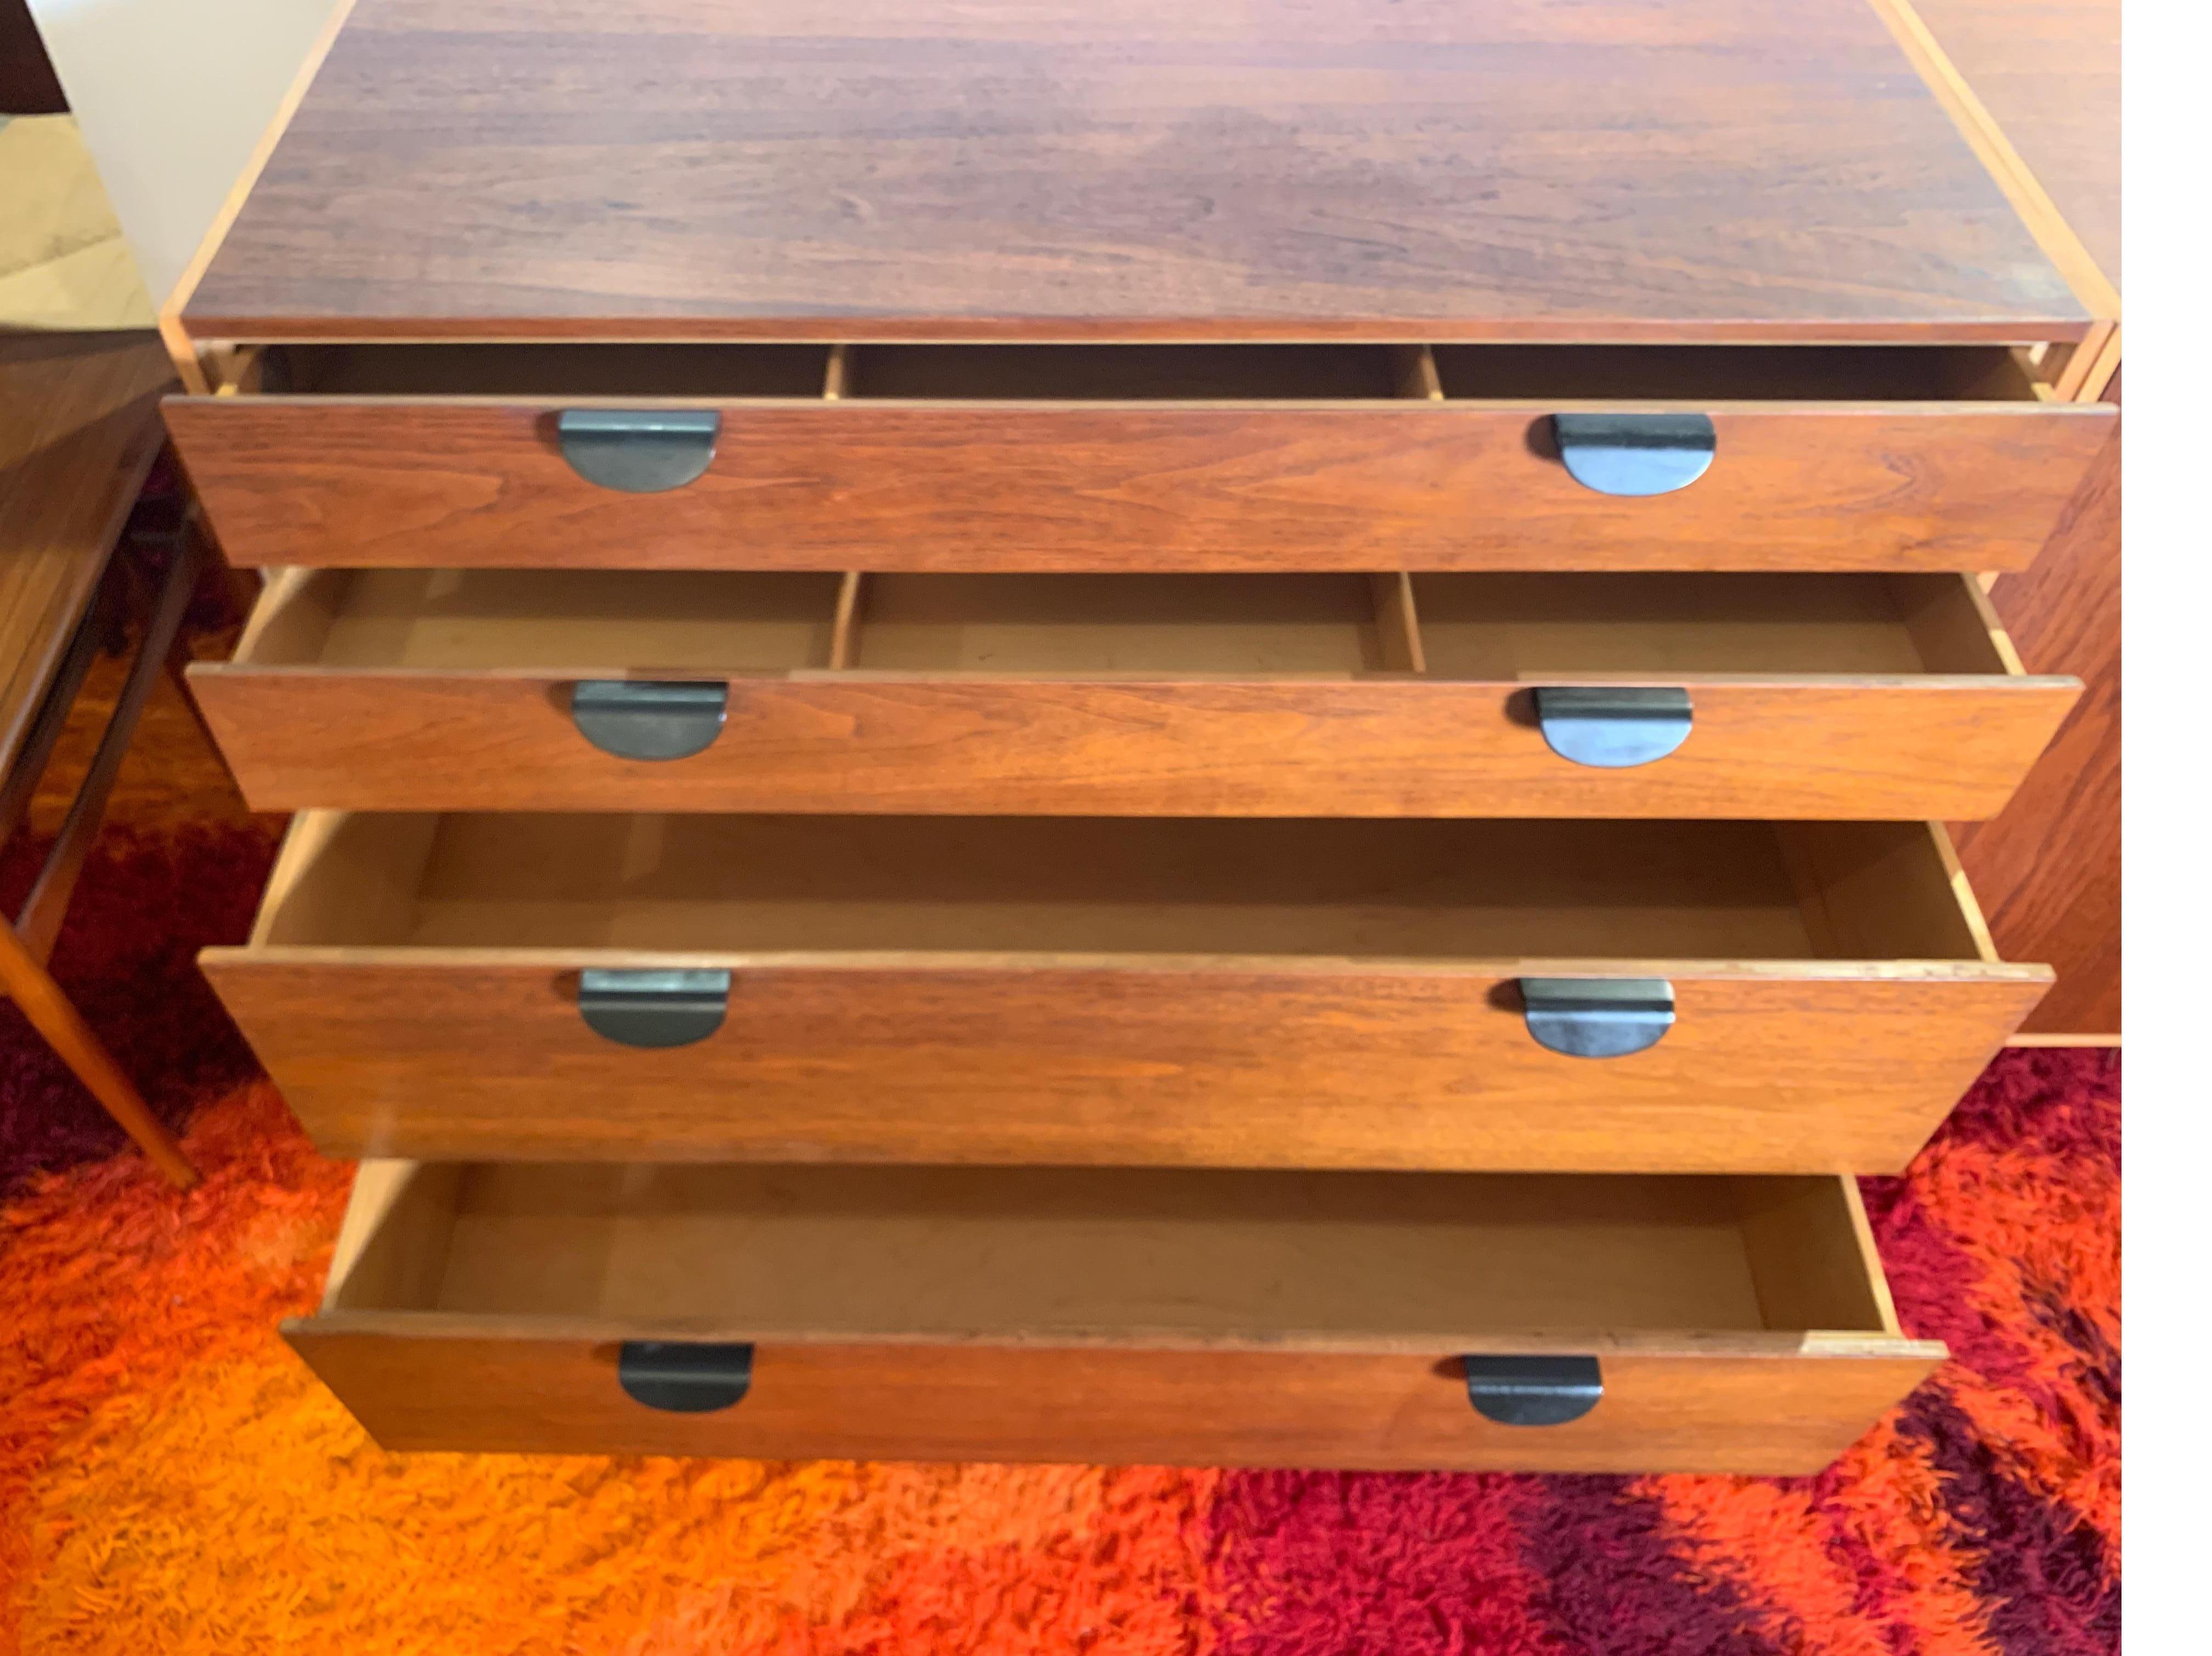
1126,170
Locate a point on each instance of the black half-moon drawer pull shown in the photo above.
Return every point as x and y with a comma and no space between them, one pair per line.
1532,1390
1614,727
654,1009
684,1377
649,719
1597,1017
640,451
1635,454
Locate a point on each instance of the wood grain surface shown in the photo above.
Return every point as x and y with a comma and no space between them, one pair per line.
1112,1313
1417,485
974,168
1785,1067
2047,867
1682,1411
78,429
2049,72
1109,1257
300,739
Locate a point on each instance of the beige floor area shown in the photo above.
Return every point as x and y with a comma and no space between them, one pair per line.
63,263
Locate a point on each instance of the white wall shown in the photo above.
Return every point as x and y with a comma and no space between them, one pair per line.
171,96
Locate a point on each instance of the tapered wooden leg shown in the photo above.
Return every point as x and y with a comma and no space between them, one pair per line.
34,990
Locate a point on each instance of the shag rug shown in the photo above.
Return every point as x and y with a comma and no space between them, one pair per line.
173,1484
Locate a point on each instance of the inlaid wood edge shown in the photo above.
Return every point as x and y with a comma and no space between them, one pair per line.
1044,330
242,667
1400,407
378,1186
1978,594
281,588
1398,624
231,369
1781,1345
1415,369
1962,889
253,953
174,334
1870,1256
305,838
2082,364
2028,1040
2037,210
2099,379
845,621
836,382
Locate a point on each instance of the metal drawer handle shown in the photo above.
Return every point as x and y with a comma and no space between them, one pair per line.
1532,1390
654,1009
685,1378
649,719
1597,1017
1614,727
1635,454
640,451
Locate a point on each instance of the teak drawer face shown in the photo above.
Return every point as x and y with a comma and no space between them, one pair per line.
1808,695
1737,1325
1203,992
1065,458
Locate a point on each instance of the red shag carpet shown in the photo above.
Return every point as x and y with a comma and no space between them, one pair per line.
171,1480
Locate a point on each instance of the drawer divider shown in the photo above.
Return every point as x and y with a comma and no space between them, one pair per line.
1398,624
845,629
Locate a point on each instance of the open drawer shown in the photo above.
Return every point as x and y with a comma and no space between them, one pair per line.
1665,997
1547,1323
1637,695
1135,457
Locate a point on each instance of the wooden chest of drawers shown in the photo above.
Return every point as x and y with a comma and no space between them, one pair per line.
1034,735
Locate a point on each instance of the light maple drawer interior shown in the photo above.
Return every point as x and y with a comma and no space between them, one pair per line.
1413,993
545,620
1636,695
1120,1256
1479,626
1431,889
1559,1322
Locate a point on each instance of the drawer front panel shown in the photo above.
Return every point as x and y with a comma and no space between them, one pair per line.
1776,1415
1776,1069
1040,488
307,739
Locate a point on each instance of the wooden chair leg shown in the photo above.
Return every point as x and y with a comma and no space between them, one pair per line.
32,987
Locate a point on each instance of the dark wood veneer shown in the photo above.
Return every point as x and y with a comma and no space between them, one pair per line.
978,168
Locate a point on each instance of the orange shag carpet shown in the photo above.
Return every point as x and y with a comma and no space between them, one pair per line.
171,1482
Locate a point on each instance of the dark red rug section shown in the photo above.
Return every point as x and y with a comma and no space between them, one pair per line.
1982,1516
147,903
